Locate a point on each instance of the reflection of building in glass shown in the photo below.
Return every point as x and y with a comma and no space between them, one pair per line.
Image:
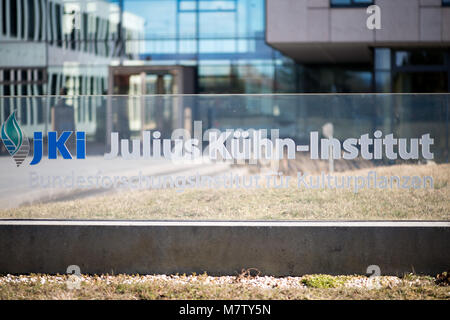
232,46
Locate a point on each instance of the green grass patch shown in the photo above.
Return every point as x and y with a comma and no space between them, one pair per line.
322,281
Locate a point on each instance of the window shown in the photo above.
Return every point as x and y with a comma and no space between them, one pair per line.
4,14
21,18
420,57
31,17
50,22
446,2
58,26
351,3
40,13
13,18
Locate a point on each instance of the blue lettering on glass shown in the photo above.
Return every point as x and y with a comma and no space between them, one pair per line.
81,145
56,144
37,146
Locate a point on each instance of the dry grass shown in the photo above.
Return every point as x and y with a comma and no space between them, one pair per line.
207,287
264,203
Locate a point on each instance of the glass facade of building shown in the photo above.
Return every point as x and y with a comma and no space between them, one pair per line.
225,40
48,45
75,42
409,70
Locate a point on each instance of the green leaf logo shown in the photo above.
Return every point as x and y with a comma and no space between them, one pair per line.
14,140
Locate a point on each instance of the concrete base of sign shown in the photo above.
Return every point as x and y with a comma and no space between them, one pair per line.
223,248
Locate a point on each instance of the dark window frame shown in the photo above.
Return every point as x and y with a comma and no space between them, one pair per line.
352,4
197,8
42,79
445,67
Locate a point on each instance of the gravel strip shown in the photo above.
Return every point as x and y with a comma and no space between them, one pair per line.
254,281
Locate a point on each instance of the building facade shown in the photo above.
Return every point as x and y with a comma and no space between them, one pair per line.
235,46
49,45
409,53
